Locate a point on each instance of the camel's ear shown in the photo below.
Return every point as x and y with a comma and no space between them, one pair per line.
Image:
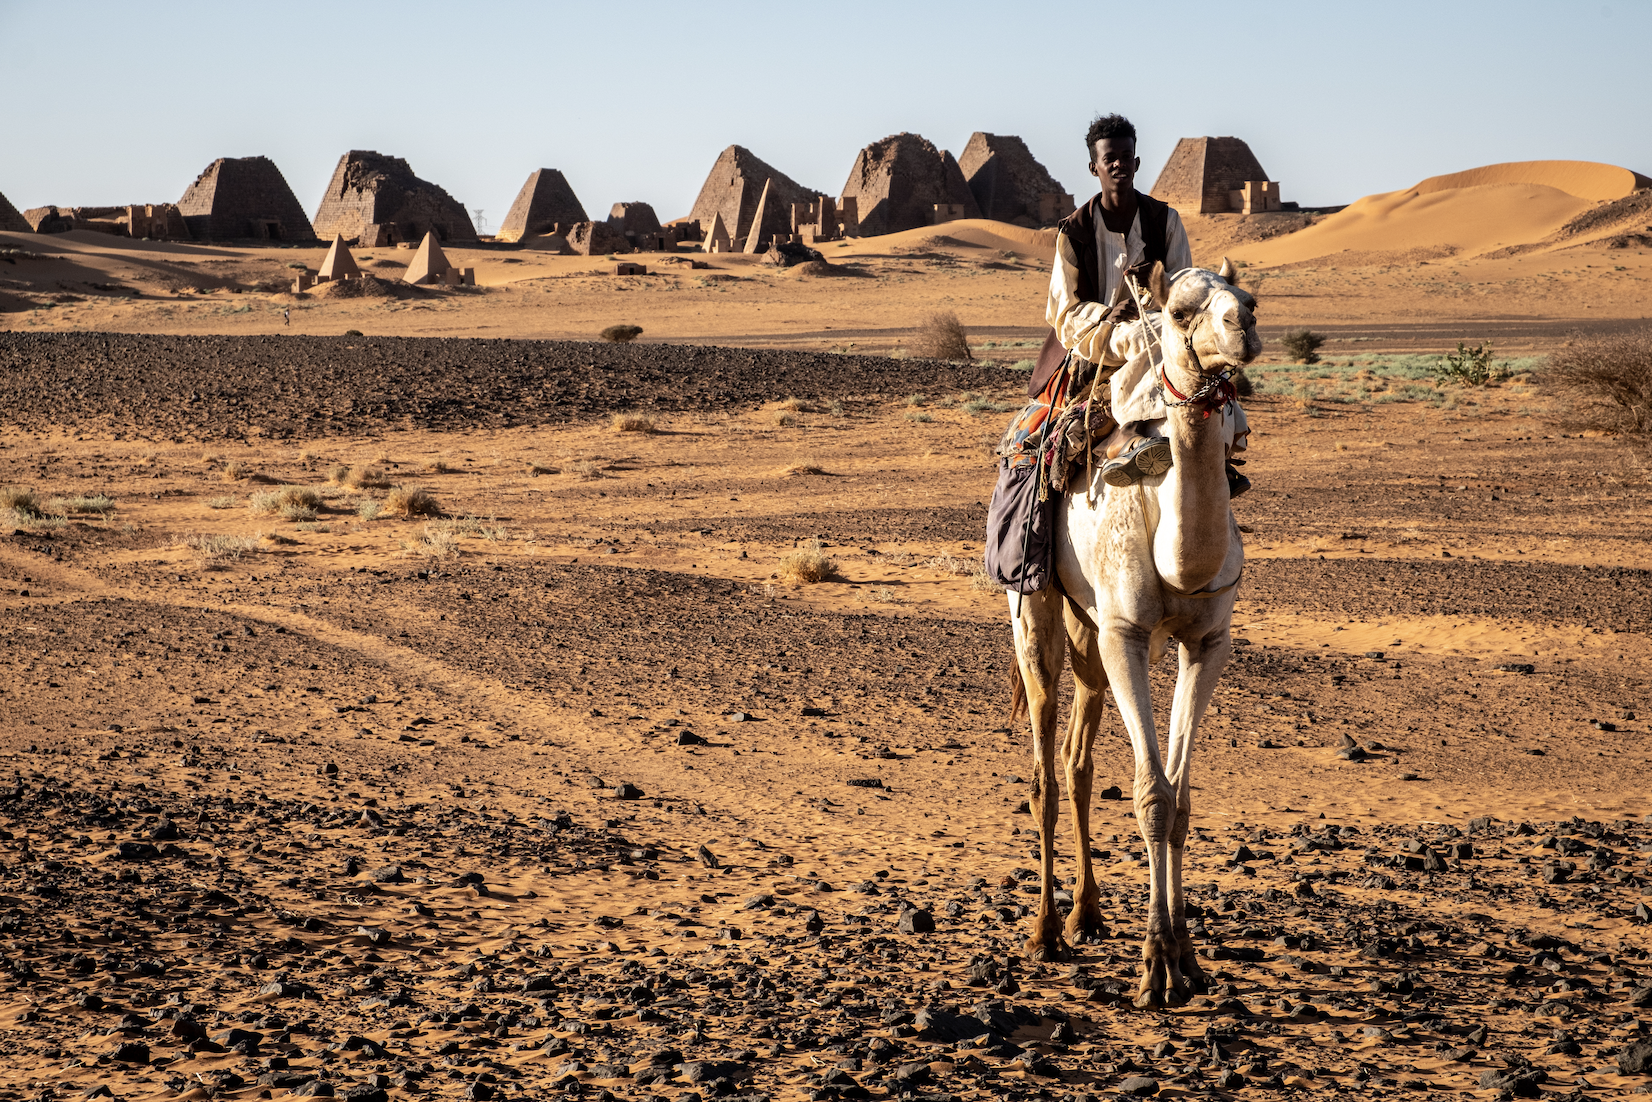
1158,286
1228,271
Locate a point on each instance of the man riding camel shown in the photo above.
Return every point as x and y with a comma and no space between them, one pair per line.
1119,230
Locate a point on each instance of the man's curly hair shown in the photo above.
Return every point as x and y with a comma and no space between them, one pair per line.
1107,126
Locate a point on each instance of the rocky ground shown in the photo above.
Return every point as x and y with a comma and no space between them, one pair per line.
595,805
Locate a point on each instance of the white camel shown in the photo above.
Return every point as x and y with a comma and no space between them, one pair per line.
1137,566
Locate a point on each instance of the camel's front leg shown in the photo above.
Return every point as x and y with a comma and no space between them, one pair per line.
1124,654
1038,651
1202,662
1089,685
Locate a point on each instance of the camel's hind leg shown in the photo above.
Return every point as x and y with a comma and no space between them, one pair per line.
1039,648
1089,702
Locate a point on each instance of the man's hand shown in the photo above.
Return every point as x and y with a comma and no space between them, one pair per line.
1123,312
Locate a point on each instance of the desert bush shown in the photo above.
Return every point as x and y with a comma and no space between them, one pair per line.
221,503
796,405
940,337
835,407
1303,345
237,471
437,542
621,334
215,550
587,469
916,400
96,503
291,511
808,564
356,478
402,502
285,500
802,467
920,418
783,418
368,509
352,332
19,500
633,422
438,466
977,406
1469,366
1607,381
948,563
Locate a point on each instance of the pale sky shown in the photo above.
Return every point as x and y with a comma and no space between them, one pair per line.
113,103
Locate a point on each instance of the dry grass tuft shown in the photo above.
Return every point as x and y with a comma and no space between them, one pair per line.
796,405
802,467
292,502
402,502
80,503
19,500
633,422
808,564
537,469
357,478
784,419
621,334
226,502
437,542
214,551
438,466
940,337
237,471
1607,381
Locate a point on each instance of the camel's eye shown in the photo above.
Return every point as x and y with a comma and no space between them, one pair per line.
1178,316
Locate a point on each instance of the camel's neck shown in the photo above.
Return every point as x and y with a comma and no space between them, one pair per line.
1191,543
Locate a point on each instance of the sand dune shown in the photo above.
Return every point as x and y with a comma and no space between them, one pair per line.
1584,179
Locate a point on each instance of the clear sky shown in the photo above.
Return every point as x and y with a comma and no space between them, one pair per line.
112,103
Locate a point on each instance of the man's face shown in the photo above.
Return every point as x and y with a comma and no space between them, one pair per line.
1116,160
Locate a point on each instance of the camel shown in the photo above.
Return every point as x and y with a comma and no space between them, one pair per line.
1137,566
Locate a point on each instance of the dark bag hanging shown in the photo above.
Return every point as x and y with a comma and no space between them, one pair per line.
1020,551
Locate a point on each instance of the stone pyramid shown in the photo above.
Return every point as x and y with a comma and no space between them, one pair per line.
10,220
771,218
238,198
734,187
717,239
369,189
899,180
546,200
428,263
635,217
1007,181
339,264
1202,171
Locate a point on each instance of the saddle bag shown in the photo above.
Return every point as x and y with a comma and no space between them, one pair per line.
1020,553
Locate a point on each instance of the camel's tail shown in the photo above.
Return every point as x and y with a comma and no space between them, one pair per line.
1018,694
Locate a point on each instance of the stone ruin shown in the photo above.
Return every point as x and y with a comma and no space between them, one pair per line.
11,220
1009,184
642,228
338,264
899,181
746,194
148,221
545,202
1217,176
825,219
240,198
430,265
374,200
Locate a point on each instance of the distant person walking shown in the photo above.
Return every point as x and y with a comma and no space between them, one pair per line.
287,315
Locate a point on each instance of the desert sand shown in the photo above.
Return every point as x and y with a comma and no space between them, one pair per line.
565,790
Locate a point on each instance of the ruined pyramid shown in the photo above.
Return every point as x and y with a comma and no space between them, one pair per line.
243,197
376,200
1009,184
899,180
10,220
546,200
736,184
1202,172
339,264
429,263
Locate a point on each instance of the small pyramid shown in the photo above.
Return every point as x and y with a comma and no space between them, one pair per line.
767,221
10,220
717,240
428,263
339,263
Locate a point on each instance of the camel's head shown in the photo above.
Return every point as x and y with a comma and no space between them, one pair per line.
1205,306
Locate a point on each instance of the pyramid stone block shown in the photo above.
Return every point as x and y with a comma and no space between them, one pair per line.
898,182
376,200
1203,173
11,219
734,187
545,202
238,198
1009,184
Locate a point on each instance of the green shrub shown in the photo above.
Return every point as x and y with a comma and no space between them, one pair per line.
1469,366
1303,345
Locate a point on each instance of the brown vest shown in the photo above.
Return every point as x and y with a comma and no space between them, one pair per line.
1080,229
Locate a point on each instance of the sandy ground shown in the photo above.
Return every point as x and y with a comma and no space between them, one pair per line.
566,791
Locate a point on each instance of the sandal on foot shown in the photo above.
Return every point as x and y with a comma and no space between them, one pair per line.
1144,457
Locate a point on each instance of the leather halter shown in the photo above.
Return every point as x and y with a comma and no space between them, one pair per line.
1214,391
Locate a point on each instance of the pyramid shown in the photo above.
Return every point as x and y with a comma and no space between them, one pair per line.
768,221
717,240
428,263
734,186
1202,172
1008,183
633,218
243,197
376,200
898,182
339,264
546,200
10,220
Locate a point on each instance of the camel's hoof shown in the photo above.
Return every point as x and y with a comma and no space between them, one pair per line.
1160,1000
1086,931
1195,977
1038,948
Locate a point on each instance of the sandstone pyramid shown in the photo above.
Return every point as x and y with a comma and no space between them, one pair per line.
1202,172
339,264
717,239
899,180
10,220
243,197
1009,184
633,218
735,185
429,263
546,200
769,220
375,200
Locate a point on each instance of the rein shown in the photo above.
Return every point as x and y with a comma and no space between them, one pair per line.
1214,391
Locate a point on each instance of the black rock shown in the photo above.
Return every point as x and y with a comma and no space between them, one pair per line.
627,791
705,1071
390,874
814,711
1520,1082
1636,1058
914,921
1111,792
136,851
1139,1086
1516,667
130,1052
689,738
707,858
915,1072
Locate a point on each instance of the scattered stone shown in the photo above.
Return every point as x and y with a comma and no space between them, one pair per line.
1139,1086
1636,1058
1516,667
707,858
915,921
627,791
